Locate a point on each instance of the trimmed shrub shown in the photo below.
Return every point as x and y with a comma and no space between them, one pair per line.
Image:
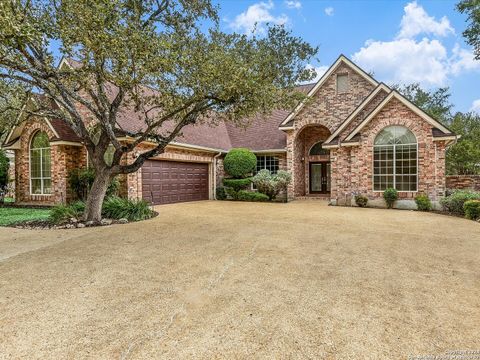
244,195
472,209
221,193
423,202
233,186
237,184
239,163
63,213
454,202
390,195
271,185
4,166
118,208
361,200
80,180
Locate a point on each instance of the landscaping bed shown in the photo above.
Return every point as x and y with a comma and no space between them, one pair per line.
115,211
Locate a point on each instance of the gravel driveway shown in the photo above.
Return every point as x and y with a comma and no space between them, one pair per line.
225,280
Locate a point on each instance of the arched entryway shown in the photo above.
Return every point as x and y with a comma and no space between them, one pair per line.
312,162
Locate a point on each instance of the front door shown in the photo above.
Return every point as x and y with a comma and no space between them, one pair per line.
319,177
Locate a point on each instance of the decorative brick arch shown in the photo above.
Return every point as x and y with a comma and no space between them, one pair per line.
305,138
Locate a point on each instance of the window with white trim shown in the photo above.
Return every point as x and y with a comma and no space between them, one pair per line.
40,165
395,160
267,162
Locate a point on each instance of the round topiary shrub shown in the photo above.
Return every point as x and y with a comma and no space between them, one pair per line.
361,200
423,202
239,163
390,195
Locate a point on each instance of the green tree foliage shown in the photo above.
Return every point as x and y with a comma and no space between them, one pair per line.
472,32
166,58
4,166
435,103
463,158
13,95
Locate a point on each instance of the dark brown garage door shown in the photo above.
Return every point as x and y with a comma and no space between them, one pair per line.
166,182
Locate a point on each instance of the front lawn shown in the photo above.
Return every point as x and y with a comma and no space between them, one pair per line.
11,215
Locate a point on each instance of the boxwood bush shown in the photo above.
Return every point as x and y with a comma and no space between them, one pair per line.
455,201
221,194
472,209
239,163
361,200
244,195
423,202
390,195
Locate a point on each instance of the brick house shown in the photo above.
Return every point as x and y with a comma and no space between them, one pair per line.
351,135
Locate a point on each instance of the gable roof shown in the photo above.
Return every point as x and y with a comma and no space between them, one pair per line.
342,59
357,110
394,94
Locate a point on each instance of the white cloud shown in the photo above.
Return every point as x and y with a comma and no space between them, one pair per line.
405,61
416,21
476,106
293,4
463,60
320,70
255,18
329,11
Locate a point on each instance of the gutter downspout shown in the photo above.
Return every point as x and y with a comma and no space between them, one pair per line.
215,175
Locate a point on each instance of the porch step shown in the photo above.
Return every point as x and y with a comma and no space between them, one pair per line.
313,197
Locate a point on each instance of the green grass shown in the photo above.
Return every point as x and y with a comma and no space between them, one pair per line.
9,215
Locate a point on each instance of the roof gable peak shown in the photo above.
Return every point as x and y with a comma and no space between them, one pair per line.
342,59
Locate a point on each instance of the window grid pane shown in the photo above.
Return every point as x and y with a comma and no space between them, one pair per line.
267,162
395,166
40,165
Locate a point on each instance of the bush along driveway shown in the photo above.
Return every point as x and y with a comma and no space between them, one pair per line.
246,281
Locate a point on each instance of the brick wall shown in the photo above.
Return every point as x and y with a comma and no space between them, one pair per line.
11,174
327,109
353,168
463,182
131,184
63,158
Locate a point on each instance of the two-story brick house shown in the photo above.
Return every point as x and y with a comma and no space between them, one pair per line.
352,135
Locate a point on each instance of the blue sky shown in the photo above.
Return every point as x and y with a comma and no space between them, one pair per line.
400,41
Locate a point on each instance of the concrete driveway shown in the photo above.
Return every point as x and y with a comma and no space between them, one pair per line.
225,280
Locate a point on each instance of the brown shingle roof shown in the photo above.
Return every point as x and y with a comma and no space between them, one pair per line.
262,132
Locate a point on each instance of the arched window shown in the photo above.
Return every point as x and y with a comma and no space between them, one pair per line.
318,150
395,159
40,165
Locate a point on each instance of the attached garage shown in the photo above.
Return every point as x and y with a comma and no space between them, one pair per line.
166,182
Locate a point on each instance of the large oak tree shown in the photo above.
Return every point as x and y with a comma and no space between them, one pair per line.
167,59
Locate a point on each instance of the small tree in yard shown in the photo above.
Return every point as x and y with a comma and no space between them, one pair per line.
4,165
239,165
167,59
271,184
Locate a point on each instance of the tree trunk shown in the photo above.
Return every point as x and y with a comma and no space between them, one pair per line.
93,210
